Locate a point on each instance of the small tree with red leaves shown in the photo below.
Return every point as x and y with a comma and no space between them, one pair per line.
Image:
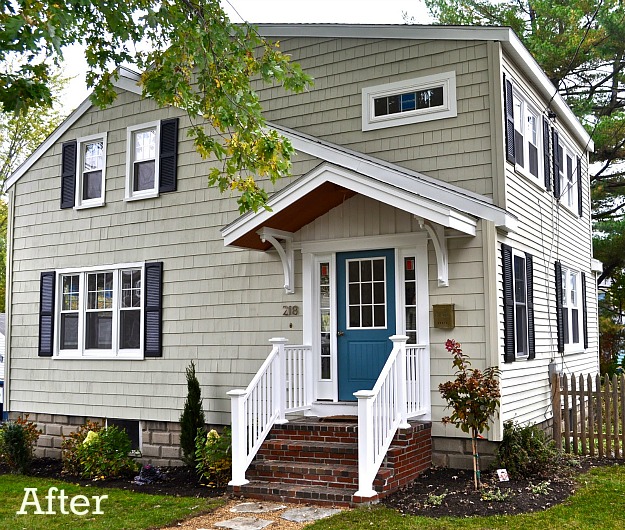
473,396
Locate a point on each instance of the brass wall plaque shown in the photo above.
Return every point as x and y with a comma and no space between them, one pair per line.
444,316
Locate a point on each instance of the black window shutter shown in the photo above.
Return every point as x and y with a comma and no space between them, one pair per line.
529,279
556,165
579,187
46,314
509,109
584,310
547,162
153,309
508,304
68,174
168,155
559,313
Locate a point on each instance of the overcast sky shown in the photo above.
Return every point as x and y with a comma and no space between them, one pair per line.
293,11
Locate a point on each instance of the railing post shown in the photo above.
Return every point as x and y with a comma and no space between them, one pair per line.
399,341
239,437
365,444
279,378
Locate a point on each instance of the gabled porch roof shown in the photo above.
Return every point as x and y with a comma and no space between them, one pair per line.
344,173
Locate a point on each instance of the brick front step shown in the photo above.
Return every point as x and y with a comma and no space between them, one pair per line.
311,461
295,493
311,474
311,451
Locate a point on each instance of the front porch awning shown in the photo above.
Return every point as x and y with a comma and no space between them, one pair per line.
326,187
343,174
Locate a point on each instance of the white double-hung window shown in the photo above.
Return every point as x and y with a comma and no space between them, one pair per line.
571,308
567,176
142,165
99,311
91,176
527,138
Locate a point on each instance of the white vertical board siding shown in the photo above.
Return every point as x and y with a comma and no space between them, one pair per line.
220,306
456,150
549,231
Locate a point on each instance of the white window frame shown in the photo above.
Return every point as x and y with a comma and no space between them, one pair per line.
522,125
569,306
82,352
568,188
132,195
525,353
80,144
446,80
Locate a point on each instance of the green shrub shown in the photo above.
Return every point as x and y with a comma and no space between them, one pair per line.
192,417
104,454
525,451
213,454
17,443
70,445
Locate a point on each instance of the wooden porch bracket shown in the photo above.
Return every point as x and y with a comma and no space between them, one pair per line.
285,251
437,235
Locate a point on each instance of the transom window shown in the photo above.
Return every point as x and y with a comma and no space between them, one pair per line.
91,171
426,98
143,161
409,101
100,311
366,287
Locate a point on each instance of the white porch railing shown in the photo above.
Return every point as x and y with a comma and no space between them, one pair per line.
279,387
395,397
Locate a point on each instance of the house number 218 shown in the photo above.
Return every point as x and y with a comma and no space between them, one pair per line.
290,310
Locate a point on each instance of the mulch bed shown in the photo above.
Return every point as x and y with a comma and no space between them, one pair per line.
439,492
442,492
179,481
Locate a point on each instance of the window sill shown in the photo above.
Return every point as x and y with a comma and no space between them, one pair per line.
574,350
149,195
568,209
85,206
66,357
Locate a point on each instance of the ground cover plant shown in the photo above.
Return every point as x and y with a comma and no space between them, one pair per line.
123,510
596,504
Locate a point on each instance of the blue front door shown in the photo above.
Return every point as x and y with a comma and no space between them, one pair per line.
365,317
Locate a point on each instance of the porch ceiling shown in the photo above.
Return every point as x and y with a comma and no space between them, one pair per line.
297,214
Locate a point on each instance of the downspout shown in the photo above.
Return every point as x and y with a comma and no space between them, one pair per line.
8,300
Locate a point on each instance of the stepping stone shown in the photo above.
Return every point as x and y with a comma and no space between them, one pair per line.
257,507
307,514
244,523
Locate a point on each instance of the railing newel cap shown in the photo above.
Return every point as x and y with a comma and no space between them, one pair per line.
236,392
399,338
361,394
278,340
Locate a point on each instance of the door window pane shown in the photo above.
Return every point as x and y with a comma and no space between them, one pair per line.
366,293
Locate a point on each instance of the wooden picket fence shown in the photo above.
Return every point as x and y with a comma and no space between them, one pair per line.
588,415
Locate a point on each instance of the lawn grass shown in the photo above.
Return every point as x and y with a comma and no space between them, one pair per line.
123,510
599,503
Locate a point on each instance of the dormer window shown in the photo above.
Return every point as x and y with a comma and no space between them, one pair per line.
426,98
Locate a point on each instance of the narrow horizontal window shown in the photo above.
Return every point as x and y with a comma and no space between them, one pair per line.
415,100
